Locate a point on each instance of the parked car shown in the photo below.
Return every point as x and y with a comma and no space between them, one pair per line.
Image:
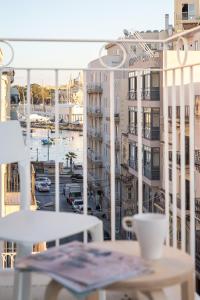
89,210
43,179
78,167
77,204
73,196
42,187
77,178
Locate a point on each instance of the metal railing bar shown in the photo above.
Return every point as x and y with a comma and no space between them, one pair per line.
56,142
182,145
79,40
101,69
139,117
174,165
112,153
192,171
85,196
82,69
166,141
28,130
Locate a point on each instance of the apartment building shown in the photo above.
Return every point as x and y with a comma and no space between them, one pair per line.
98,90
98,105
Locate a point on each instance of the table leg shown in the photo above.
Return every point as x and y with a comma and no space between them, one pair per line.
52,290
188,288
100,295
155,295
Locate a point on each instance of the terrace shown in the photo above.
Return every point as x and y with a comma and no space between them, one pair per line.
187,244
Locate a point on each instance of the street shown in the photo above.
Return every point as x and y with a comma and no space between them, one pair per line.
46,201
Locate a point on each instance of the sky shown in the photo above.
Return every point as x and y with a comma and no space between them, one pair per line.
73,19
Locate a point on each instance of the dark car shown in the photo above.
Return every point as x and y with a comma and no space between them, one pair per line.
77,178
78,167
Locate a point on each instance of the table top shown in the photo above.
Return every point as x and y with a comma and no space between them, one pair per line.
174,267
39,226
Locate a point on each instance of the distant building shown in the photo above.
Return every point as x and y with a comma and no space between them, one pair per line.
186,14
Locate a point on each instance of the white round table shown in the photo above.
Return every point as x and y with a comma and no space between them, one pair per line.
175,267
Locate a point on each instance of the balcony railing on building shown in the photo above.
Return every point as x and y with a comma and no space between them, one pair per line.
95,134
151,94
94,89
94,157
95,112
151,173
151,133
133,164
178,158
197,160
116,117
133,129
187,16
132,95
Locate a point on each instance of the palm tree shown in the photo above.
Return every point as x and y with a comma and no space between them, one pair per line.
70,156
67,156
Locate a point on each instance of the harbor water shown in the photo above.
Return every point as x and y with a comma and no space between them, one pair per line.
69,141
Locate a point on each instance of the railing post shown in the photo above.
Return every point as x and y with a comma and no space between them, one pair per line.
85,197
57,190
192,171
166,139
174,161
139,150
182,144
112,153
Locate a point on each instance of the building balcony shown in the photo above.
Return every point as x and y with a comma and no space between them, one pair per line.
94,181
178,158
96,160
132,129
188,20
94,89
95,134
95,112
151,173
151,94
151,134
116,117
133,164
94,157
197,160
117,144
132,95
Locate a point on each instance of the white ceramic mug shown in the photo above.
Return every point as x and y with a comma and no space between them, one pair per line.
150,230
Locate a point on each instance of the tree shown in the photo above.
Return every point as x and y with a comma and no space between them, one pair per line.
67,156
70,156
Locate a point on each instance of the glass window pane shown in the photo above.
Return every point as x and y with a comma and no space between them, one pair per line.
155,80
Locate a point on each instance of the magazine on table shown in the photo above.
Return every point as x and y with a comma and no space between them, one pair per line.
82,268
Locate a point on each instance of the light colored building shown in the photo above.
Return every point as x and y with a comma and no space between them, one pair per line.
98,105
186,14
99,123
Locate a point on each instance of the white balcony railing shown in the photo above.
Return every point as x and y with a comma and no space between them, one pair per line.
164,70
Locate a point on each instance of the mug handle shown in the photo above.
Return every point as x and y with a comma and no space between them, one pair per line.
124,223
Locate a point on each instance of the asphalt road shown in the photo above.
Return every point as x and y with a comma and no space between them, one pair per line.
46,201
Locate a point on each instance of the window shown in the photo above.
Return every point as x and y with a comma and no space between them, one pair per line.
188,11
155,117
132,81
147,81
132,116
156,157
155,80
